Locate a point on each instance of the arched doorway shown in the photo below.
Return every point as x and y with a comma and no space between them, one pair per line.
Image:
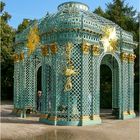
109,87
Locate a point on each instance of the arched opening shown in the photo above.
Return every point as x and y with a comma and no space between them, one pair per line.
105,90
109,88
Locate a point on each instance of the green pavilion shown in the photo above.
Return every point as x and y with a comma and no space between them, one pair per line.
68,48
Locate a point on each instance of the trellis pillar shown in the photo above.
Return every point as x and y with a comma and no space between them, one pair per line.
127,87
16,85
95,110
85,104
131,86
50,116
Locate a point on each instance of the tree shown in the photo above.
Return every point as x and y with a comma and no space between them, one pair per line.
122,14
7,40
99,12
23,25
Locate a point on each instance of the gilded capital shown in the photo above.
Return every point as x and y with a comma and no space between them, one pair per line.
85,47
95,50
53,48
44,50
16,57
124,56
131,57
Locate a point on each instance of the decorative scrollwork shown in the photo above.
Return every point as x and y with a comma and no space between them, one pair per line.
69,69
109,39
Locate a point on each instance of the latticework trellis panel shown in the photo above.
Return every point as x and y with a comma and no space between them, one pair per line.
125,85
86,84
131,86
16,85
74,96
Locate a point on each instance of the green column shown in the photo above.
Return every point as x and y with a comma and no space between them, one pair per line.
124,68
96,89
131,88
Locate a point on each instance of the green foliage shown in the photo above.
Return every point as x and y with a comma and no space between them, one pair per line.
2,4
99,12
23,25
7,39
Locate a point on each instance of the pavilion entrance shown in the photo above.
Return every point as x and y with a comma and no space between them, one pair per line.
109,88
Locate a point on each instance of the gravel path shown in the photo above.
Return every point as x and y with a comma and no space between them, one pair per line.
15,128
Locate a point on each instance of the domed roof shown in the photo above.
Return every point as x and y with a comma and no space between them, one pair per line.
69,11
74,14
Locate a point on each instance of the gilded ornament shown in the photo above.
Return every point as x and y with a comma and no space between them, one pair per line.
68,85
33,40
44,50
85,118
16,57
131,57
69,71
85,47
109,39
52,118
21,56
131,112
53,48
95,50
125,113
95,117
44,116
69,48
124,56
113,43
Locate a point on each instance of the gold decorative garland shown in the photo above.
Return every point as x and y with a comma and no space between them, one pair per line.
69,70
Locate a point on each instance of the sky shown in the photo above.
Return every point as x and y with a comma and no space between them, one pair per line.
20,9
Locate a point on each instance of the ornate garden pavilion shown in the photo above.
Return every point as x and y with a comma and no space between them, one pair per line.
70,46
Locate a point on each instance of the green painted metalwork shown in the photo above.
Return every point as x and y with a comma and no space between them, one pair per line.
73,22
